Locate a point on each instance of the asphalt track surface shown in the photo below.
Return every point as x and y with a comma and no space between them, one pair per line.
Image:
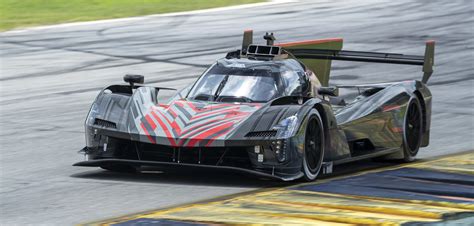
419,193
49,77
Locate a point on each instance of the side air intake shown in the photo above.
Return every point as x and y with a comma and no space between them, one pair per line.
105,123
269,133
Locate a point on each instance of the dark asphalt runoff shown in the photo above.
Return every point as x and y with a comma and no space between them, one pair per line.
49,77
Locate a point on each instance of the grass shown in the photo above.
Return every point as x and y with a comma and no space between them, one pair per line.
27,13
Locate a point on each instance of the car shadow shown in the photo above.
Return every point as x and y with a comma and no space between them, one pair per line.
208,177
220,177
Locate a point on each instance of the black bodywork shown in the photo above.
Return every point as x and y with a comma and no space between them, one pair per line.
129,125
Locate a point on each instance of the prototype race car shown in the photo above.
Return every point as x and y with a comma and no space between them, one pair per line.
263,109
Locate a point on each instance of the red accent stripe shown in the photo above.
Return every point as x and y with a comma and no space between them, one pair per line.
215,112
180,103
174,125
215,138
192,106
147,134
150,121
195,132
397,129
208,133
200,125
214,130
226,116
208,126
216,106
210,107
309,42
171,111
165,129
158,117
391,107
237,114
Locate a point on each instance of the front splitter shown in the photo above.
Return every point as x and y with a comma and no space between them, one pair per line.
171,165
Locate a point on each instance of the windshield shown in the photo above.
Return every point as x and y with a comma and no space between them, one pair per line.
237,84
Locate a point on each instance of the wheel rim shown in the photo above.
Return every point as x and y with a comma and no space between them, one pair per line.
313,146
413,127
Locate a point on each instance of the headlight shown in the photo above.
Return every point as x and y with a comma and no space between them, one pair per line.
279,147
286,127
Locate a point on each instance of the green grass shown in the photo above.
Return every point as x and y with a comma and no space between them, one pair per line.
27,13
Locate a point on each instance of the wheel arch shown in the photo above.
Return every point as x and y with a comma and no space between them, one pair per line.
326,125
423,109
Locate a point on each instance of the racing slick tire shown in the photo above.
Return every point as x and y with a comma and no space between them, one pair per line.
412,130
313,146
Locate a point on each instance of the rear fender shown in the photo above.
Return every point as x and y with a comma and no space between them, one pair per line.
424,95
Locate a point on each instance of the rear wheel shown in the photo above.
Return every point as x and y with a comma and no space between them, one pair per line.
313,147
412,130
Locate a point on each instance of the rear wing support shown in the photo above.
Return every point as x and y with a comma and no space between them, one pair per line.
247,41
427,61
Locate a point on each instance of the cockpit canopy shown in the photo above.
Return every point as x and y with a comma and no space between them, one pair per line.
243,80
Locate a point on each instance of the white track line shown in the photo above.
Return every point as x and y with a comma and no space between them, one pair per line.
194,12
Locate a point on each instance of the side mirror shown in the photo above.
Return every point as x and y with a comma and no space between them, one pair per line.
132,79
329,91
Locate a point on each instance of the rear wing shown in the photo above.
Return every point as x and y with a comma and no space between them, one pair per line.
317,55
427,61
320,66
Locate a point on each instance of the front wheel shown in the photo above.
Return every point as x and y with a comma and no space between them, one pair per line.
314,146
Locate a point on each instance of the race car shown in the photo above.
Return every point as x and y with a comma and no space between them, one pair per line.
263,109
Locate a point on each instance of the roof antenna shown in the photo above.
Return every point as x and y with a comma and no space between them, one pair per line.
270,38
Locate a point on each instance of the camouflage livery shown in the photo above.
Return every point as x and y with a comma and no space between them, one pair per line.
266,110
